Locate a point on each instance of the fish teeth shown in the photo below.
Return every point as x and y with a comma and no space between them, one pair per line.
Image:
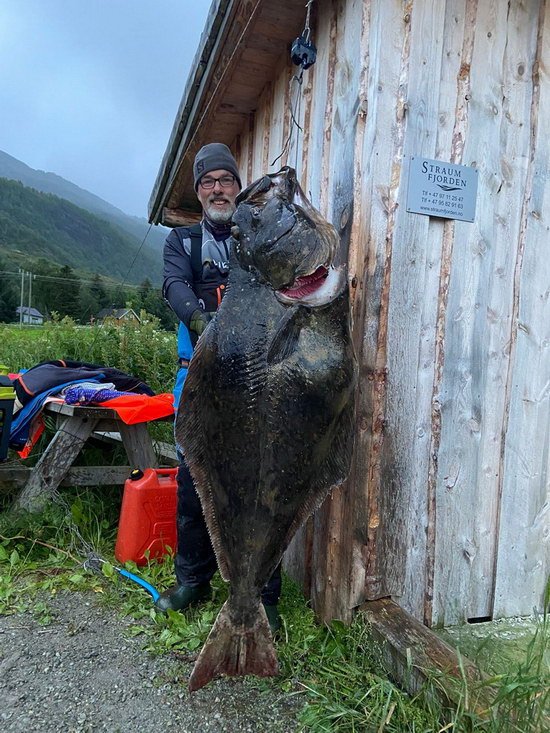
331,288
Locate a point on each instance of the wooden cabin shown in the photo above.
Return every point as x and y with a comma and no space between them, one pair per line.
446,509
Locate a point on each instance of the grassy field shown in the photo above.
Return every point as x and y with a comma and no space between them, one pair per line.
142,350
22,334
336,669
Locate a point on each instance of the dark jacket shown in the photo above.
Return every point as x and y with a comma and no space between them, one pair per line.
185,291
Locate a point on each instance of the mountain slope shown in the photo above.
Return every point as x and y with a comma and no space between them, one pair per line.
14,169
44,225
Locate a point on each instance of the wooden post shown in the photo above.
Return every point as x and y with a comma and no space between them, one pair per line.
138,445
413,655
54,463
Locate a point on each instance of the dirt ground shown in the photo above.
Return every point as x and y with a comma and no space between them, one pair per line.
82,673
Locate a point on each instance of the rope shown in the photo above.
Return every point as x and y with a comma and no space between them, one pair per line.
293,121
294,110
307,30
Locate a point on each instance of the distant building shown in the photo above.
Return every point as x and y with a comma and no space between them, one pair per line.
30,316
116,315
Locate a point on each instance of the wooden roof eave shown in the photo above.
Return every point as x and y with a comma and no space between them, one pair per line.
201,70
215,104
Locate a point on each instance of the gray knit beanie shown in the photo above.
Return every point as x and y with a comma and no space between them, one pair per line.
213,157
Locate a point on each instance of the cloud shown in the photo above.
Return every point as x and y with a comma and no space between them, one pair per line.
90,90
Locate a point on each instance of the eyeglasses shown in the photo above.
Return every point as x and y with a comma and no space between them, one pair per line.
225,182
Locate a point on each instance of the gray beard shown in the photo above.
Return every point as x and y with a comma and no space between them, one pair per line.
220,217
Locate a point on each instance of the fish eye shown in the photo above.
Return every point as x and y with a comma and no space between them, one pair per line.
256,212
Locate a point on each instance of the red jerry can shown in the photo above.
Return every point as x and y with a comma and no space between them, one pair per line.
147,525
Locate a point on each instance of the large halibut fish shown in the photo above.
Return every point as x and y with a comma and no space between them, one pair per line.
266,415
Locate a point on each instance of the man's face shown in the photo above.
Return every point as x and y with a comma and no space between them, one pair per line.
218,202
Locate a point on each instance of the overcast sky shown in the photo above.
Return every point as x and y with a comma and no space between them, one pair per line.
89,89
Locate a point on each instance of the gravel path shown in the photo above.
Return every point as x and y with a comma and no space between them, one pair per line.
81,673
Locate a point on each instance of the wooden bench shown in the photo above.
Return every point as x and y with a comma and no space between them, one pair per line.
75,426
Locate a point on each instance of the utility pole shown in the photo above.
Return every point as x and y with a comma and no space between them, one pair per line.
31,276
22,288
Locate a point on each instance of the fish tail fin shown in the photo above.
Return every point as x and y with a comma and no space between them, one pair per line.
233,650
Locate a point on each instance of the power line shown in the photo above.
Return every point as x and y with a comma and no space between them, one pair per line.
137,253
53,278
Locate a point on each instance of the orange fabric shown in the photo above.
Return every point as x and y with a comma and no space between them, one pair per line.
37,428
137,408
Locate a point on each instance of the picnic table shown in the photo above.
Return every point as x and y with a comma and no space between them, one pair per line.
75,425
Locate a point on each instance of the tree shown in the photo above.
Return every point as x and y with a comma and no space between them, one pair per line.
89,305
97,289
93,297
118,296
147,297
151,300
68,298
47,292
9,294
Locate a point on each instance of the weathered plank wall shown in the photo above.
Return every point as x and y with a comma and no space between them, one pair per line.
481,325
446,508
521,563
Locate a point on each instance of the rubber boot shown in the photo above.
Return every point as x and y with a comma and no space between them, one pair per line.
274,619
180,597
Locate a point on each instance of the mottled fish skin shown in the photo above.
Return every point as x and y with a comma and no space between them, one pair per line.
266,415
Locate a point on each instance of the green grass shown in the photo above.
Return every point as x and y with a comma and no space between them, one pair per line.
21,335
495,645
334,669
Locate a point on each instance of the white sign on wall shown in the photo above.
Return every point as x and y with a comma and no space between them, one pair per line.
436,188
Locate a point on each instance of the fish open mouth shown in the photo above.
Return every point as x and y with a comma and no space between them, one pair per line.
306,285
317,289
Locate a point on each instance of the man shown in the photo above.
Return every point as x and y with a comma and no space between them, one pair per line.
196,267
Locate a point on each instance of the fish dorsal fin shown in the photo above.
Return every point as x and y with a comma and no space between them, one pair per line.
284,342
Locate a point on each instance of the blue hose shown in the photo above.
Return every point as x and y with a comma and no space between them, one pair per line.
144,584
94,562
